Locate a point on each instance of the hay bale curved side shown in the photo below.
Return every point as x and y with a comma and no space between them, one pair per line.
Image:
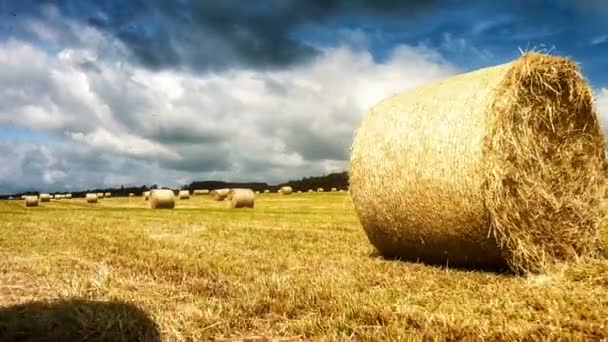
219,194
162,199
504,165
242,198
184,194
91,198
286,190
31,201
44,198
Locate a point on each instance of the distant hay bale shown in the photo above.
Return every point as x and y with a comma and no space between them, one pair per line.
219,194
199,192
91,198
146,195
68,196
31,201
311,190
501,166
299,191
162,199
10,197
242,198
334,189
184,195
320,190
107,194
131,194
22,197
45,198
257,192
100,195
286,190
266,191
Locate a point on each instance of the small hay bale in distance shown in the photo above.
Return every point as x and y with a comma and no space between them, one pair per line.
199,192
107,194
44,198
311,190
242,198
257,192
162,199
286,190
334,189
131,194
266,191
320,190
184,195
91,198
23,197
68,196
31,201
146,195
219,194
100,195
299,191
503,166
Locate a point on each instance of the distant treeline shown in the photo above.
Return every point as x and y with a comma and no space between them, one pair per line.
333,180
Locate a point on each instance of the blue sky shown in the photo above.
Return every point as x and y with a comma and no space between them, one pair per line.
173,91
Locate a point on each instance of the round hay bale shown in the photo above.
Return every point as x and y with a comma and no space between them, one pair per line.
184,194
162,199
311,190
320,190
31,201
100,195
131,194
107,194
219,194
501,166
266,191
241,198
286,190
257,192
22,197
334,189
44,198
299,191
146,195
199,192
91,198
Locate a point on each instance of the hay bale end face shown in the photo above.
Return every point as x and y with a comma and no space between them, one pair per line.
286,190
162,199
468,154
31,201
45,198
242,198
219,194
91,198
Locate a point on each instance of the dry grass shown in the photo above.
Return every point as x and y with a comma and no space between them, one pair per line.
296,267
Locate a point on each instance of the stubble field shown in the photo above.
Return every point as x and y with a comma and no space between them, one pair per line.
296,267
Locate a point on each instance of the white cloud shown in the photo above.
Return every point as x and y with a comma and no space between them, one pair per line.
239,124
601,99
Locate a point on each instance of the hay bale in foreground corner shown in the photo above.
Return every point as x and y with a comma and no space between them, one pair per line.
242,198
200,192
162,199
44,198
184,194
219,194
31,201
91,198
286,190
320,190
146,195
512,163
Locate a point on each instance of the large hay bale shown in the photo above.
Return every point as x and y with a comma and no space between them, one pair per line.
184,194
91,198
146,195
501,166
31,201
162,199
286,190
199,192
44,198
219,194
241,198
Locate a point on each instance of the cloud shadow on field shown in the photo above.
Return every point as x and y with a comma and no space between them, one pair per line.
76,320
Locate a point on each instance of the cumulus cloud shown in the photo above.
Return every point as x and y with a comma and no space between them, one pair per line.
163,126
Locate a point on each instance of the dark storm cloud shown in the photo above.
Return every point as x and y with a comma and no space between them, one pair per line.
204,35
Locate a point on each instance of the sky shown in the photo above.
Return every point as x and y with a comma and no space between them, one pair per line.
105,93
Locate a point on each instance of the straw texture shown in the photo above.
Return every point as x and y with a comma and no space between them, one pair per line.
162,199
242,198
501,166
